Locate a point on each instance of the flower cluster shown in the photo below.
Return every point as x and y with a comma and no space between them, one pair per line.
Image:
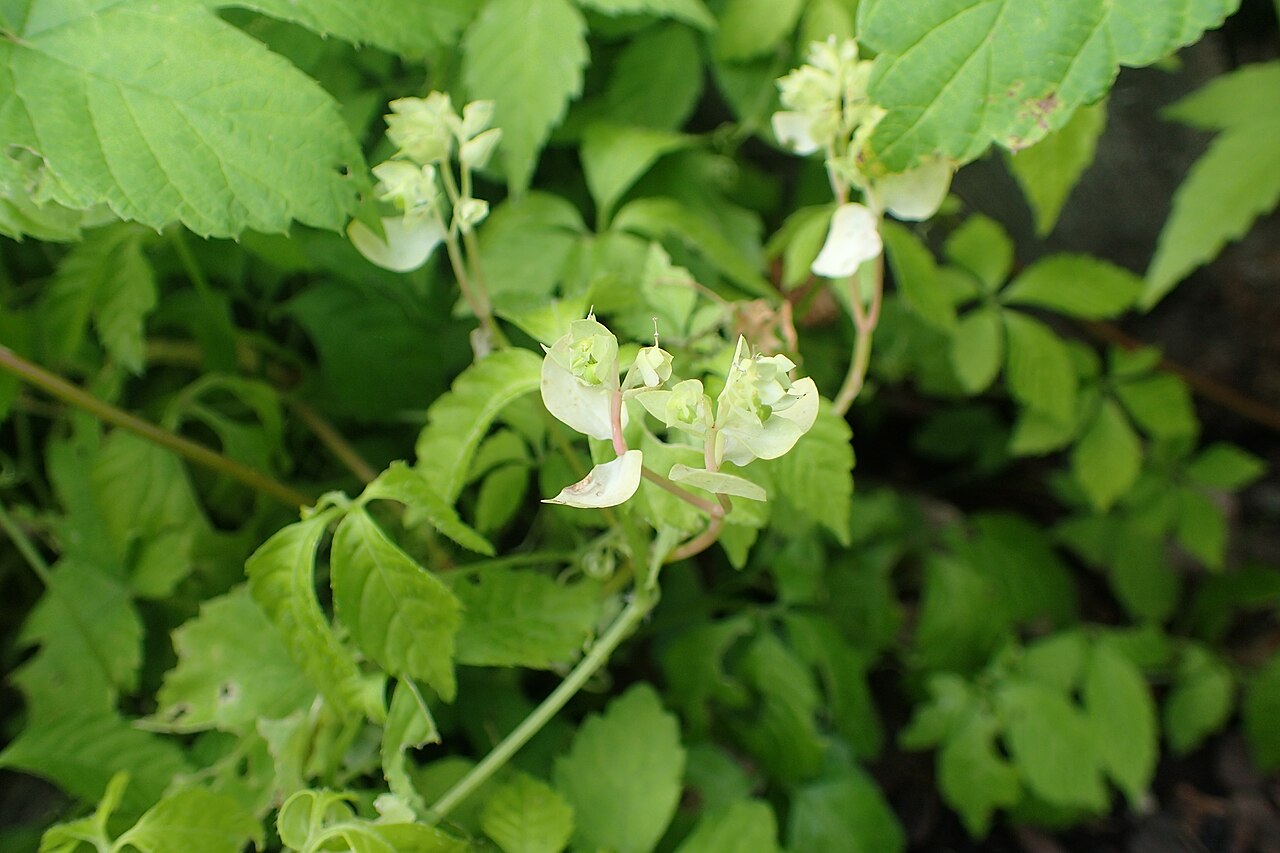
760,414
829,110
426,132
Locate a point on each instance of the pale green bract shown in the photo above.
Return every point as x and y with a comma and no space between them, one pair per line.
761,413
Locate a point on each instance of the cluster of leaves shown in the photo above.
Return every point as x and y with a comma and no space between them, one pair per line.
202,668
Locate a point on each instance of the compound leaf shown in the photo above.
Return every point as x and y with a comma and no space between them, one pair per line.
1108,457
1123,714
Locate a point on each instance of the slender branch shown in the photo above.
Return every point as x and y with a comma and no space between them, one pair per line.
58,387
334,441
688,497
25,547
865,321
641,603
699,543
470,278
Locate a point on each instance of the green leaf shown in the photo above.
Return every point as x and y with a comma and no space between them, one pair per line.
983,248
1123,715
1039,369
1225,466
501,494
459,419
525,815
1053,746
400,614
410,725
1201,700
666,218
107,279
1048,171
615,156
524,618
527,56
1202,528
690,11
1075,285
1161,405
746,826
915,274
657,79
958,75
843,814
194,820
233,669
749,28
1237,98
524,246
799,240
411,487
815,480
1018,559
977,348
782,734
86,621
694,665
1236,181
81,751
282,580
972,775
167,113
1260,709
1141,576
622,774
1108,457
414,29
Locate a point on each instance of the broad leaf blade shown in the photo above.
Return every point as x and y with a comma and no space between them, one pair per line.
615,156
1075,285
690,11
1039,369
525,815
400,614
1108,457
410,487
194,820
164,112
1048,171
408,28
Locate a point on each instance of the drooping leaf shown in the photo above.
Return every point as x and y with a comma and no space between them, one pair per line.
400,614
690,11
282,580
746,826
527,57
411,487
233,669
1108,457
1075,285
957,76
1048,171
1123,714
409,725
105,279
525,815
622,774
415,29
459,419
194,820
523,618
166,113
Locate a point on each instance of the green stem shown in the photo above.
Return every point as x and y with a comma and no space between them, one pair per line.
864,327
642,602
60,388
470,278
25,547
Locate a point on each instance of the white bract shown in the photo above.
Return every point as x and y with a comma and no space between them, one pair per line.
608,484
761,413
854,237
579,376
410,240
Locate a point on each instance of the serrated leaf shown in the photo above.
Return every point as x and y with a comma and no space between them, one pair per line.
1039,370
457,420
1108,457
524,246
1236,181
414,29
956,76
1260,708
400,614
525,815
527,56
1160,404
105,279
1201,700
409,725
1048,171
194,820
87,622
844,814
749,28
411,487
165,112
984,248
690,11
282,580
977,348
1225,466
666,218
1229,100
615,156
1075,285
523,618
233,669
915,274
657,79
1053,746
972,775
81,751
799,240
1201,528
622,774
746,826
1123,716
815,480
